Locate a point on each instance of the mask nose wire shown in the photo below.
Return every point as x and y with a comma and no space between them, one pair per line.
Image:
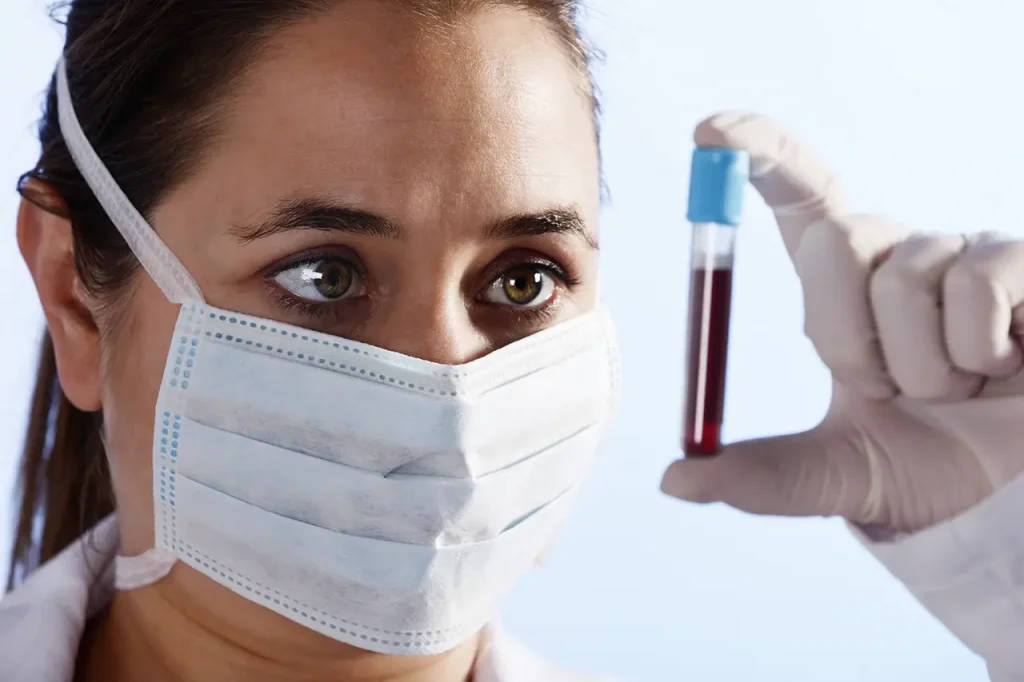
159,261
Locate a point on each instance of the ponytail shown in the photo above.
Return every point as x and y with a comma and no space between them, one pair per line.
63,484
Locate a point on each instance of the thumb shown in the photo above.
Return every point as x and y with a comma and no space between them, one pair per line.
791,180
821,472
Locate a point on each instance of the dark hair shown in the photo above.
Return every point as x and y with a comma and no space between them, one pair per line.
145,75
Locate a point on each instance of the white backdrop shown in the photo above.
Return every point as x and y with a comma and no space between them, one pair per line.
906,99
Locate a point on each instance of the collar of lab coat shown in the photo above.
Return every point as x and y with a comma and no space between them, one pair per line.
41,622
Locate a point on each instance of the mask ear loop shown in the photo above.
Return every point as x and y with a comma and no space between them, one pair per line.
145,569
162,265
133,572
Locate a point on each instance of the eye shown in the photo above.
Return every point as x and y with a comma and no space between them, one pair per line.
524,286
323,279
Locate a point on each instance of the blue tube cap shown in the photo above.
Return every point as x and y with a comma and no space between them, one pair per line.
718,181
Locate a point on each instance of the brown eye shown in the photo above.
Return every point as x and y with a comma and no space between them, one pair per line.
326,279
332,279
524,286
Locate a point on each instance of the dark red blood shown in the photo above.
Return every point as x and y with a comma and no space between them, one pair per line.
703,433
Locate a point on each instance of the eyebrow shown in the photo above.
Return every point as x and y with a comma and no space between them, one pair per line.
567,221
317,214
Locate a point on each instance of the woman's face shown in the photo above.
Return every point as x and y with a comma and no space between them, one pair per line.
429,189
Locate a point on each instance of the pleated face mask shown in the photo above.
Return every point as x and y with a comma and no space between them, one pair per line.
382,500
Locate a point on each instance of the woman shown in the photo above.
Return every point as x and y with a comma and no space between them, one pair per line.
368,239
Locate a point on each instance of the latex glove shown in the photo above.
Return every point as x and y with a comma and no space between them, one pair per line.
922,335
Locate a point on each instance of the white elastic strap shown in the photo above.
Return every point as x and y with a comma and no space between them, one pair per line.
133,572
162,265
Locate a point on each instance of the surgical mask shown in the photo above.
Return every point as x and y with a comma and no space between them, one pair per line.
382,500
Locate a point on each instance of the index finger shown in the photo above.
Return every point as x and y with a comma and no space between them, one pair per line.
795,185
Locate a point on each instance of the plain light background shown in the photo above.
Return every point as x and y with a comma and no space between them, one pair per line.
906,99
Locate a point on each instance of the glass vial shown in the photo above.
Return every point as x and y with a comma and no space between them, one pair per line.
718,179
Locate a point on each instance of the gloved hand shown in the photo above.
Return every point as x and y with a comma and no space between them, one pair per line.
922,334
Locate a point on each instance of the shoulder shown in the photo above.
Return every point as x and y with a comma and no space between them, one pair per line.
41,621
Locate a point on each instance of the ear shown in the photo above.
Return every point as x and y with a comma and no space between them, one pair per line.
46,244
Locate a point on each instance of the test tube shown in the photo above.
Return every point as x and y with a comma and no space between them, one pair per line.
718,179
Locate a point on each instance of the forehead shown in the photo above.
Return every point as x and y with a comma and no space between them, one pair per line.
426,124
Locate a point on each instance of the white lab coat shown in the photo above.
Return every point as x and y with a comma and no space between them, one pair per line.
969,572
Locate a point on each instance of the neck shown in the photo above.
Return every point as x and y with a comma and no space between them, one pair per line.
185,628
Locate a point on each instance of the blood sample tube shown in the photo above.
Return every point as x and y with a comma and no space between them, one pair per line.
718,179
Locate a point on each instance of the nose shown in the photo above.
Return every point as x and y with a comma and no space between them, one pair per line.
435,328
